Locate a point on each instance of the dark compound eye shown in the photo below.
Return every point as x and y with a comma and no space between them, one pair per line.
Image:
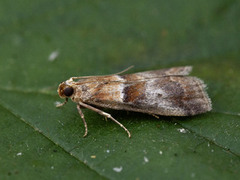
68,91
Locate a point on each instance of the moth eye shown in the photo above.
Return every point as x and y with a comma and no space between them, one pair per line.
68,91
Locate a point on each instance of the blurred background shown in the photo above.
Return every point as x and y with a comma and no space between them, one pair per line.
99,37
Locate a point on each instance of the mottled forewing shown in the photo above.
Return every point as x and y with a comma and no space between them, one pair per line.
166,95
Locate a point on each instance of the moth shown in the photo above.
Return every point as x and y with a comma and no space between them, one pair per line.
167,92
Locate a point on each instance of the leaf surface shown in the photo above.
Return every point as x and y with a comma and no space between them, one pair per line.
44,43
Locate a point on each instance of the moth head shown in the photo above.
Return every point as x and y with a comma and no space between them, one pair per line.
65,90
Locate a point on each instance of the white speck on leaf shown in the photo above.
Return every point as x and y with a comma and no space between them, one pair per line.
19,154
160,152
145,159
108,151
52,167
118,169
182,130
53,55
61,123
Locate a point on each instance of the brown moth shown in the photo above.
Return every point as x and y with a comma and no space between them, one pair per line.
167,92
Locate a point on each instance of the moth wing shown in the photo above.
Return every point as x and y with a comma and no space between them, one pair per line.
170,96
174,71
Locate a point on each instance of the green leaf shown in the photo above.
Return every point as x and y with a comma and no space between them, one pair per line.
38,140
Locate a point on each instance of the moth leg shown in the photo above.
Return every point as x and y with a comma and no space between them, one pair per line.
84,122
62,104
154,115
105,115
